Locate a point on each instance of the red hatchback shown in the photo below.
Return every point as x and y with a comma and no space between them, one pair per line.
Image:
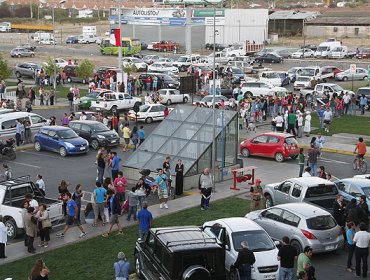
274,145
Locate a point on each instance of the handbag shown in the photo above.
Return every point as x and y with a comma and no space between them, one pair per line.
46,223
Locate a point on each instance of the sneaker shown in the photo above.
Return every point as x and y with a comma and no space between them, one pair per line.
166,206
105,234
161,206
201,208
120,232
61,235
349,269
82,235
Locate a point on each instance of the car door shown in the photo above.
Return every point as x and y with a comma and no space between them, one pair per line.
128,101
282,192
37,122
150,269
154,112
270,220
43,138
52,141
271,146
288,225
258,145
85,132
175,98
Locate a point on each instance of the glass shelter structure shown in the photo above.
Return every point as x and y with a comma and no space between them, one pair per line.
186,134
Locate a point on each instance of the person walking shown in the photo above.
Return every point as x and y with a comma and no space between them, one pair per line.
287,256
40,184
361,151
145,219
319,142
31,229
122,267
179,169
304,260
70,99
363,211
307,124
299,124
161,181
244,261
313,153
279,123
291,122
327,117
72,212
100,161
19,128
44,225
114,164
339,210
132,204
205,186
114,208
301,161
363,103
141,133
362,242
256,193
126,136
3,238
99,198
350,233
77,197
134,137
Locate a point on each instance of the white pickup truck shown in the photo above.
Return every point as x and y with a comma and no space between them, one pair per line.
12,194
330,88
316,73
115,101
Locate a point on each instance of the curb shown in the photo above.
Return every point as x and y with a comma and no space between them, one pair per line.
40,107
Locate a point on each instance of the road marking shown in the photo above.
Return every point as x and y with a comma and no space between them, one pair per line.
46,155
25,164
332,160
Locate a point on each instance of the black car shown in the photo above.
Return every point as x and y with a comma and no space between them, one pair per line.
310,46
164,80
237,75
144,46
179,253
72,40
218,47
269,57
96,133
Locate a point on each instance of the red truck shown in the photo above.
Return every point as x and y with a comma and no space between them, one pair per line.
164,46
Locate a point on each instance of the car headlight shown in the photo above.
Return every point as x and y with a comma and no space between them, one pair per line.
69,145
101,136
86,142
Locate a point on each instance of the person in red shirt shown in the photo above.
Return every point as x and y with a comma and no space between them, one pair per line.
166,112
115,122
120,184
361,150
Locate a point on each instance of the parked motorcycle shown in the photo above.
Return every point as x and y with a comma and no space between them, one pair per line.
8,148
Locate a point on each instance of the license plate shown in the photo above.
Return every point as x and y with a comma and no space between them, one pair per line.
83,148
330,247
270,277
113,141
97,109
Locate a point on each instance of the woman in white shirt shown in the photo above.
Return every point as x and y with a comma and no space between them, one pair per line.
307,124
3,238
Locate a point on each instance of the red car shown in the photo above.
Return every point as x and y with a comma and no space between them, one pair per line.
331,69
274,145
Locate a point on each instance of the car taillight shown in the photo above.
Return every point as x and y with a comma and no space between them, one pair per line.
308,234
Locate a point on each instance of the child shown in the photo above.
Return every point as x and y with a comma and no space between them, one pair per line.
301,162
350,233
241,121
133,201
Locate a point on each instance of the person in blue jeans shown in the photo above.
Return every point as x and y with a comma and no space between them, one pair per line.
363,103
145,220
244,262
313,153
350,233
287,256
132,203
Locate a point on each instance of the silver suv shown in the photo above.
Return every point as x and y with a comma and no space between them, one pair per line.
26,70
21,52
313,190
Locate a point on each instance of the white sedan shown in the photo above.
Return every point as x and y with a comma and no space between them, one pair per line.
47,42
207,101
299,53
149,113
139,64
61,63
169,96
162,67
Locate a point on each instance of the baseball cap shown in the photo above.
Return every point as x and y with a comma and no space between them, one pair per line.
258,181
121,256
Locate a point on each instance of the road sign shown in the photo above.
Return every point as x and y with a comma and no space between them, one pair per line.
352,68
368,73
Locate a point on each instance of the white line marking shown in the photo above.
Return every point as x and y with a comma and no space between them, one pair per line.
25,164
45,155
332,160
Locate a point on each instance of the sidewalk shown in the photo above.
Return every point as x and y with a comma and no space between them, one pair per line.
341,143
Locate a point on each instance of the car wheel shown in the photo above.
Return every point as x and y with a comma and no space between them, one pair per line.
186,100
69,80
18,55
249,94
168,102
37,146
365,77
345,78
149,120
233,274
114,109
138,267
62,151
11,228
95,144
18,75
297,246
245,152
279,157
268,201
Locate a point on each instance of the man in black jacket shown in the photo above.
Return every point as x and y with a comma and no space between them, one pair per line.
244,262
363,211
339,208
114,207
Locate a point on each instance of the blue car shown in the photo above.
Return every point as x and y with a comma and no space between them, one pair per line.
354,188
60,139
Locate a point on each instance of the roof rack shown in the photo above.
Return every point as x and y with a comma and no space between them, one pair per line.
191,242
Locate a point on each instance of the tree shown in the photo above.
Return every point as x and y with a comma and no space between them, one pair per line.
85,70
5,70
129,68
50,66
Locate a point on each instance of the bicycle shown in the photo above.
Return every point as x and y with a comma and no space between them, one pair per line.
362,165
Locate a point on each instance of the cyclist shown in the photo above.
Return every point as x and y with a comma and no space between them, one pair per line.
361,151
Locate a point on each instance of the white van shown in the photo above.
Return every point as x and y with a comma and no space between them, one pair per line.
339,52
325,48
8,122
43,36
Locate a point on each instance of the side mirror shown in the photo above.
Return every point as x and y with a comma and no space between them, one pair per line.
276,187
277,243
227,247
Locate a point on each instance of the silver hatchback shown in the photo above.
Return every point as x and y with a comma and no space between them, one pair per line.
21,52
303,223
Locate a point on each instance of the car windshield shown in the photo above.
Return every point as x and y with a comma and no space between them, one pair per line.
337,49
321,223
182,59
337,88
270,75
291,141
67,134
292,70
362,91
258,240
237,71
303,79
144,108
308,72
93,94
99,127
